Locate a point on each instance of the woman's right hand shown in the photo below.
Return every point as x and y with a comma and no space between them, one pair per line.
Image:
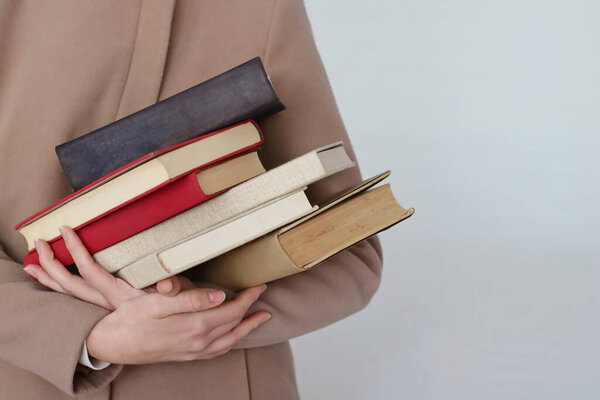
195,324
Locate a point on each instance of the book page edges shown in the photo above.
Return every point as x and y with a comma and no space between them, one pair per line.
145,178
407,214
334,158
217,178
71,214
264,260
341,196
128,167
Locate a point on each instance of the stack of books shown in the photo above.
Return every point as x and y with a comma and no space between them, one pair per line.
180,184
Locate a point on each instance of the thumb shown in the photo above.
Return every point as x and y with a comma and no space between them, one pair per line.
193,300
174,285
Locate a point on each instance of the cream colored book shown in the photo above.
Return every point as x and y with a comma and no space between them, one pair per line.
338,225
274,183
128,184
206,245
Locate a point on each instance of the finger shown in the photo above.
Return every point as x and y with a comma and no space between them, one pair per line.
234,310
46,258
75,246
37,273
113,291
174,285
221,319
72,284
88,294
235,335
188,301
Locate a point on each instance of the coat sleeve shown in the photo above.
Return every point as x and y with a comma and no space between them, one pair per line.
345,283
42,331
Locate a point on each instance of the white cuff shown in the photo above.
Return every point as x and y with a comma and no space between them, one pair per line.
85,359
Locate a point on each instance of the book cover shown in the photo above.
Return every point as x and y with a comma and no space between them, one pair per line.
349,218
146,175
215,241
241,93
158,206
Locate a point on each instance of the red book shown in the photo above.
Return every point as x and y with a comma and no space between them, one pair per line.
149,210
151,207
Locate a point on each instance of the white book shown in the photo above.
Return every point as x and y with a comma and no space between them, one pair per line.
272,184
206,245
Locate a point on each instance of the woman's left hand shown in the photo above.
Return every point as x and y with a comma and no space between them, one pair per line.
95,285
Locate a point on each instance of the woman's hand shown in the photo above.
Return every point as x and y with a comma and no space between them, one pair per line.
193,325
95,285
173,322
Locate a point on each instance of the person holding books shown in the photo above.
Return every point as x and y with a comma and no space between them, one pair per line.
71,67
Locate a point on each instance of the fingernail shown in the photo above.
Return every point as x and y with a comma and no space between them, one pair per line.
62,231
264,287
266,317
31,273
38,248
168,286
216,296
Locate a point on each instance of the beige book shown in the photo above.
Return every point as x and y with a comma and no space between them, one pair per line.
303,244
137,181
274,183
216,241
229,173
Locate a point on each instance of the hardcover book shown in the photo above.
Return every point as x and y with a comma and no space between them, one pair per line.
215,241
169,200
241,93
346,220
274,183
142,177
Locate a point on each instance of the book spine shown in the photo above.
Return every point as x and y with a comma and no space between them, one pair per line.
147,211
244,93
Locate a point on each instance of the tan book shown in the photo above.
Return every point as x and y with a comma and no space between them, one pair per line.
206,245
274,183
137,180
348,219
229,173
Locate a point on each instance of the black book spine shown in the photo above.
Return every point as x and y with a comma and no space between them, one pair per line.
241,93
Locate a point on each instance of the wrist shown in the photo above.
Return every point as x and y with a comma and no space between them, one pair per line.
97,342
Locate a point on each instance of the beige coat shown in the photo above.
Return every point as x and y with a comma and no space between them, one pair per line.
70,66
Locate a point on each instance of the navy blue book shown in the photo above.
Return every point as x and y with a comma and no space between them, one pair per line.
241,93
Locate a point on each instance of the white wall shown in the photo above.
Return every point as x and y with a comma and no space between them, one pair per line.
487,112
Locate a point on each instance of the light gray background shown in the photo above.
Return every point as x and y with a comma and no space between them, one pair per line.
487,113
